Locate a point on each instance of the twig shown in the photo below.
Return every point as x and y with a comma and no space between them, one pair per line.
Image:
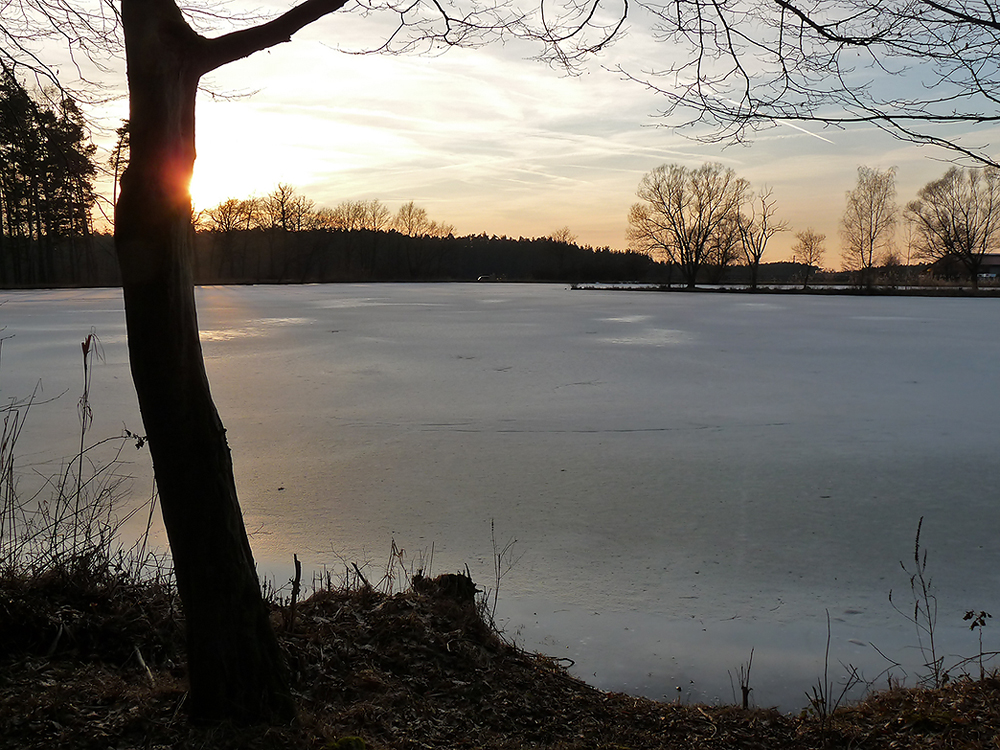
361,576
924,617
142,663
296,583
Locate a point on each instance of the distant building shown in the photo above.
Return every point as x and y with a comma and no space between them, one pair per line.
951,267
991,265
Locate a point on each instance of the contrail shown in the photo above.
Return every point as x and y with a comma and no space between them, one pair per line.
803,130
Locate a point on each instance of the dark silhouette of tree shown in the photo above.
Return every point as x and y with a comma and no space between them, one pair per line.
370,215
119,158
648,235
411,220
226,217
685,214
229,222
20,144
869,223
958,217
723,248
756,227
47,170
563,234
70,169
281,212
808,252
235,668
286,210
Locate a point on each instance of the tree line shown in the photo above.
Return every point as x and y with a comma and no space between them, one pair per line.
286,210
691,223
953,224
283,237
47,194
699,221
695,223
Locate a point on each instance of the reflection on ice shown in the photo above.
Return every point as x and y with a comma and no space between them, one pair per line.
241,329
628,319
347,304
651,337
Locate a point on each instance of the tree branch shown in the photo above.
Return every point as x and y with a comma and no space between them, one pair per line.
239,44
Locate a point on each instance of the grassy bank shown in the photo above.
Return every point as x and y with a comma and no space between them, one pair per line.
96,661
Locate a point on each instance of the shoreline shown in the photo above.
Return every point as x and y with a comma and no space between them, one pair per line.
418,668
635,286
916,291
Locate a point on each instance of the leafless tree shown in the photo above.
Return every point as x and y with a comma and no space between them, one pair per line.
958,217
808,252
412,220
250,213
284,209
756,227
563,234
374,216
723,248
371,215
346,215
910,68
225,217
682,211
235,667
440,229
869,222
647,234
226,220
325,218
92,31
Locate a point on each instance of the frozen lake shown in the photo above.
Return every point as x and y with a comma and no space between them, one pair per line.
688,476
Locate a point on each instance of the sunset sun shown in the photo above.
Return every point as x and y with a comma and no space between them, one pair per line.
239,156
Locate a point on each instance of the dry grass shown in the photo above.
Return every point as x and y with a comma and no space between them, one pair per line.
417,669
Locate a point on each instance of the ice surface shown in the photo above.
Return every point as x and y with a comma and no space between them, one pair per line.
688,476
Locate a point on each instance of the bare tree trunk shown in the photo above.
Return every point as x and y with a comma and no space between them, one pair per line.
235,666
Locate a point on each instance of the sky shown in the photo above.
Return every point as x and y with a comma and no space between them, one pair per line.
491,141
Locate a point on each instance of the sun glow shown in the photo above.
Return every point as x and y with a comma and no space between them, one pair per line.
214,183
242,153
226,170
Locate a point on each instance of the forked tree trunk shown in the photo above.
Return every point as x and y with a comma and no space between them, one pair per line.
235,667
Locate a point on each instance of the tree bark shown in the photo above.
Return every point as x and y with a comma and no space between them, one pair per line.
235,667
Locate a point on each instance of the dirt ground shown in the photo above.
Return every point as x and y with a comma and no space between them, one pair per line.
100,664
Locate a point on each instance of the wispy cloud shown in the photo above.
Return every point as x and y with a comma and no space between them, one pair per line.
492,142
